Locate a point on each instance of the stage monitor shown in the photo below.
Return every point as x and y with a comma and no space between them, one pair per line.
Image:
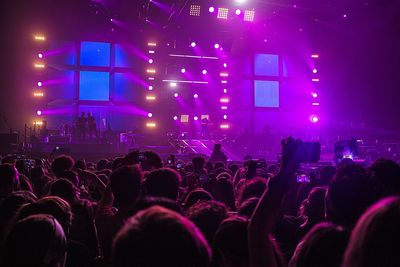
266,94
94,86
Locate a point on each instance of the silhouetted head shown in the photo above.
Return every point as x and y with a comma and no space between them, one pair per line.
64,189
163,183
61,164
385,175
125,185
151,161
9,179
160,237
197,195
253,188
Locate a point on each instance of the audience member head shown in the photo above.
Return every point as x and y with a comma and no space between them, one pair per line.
375,239
326,174
151,161
209,166
314,205
125,183
80,164
71,176
198,164
252,188
219,165
101,164
148,202
149,239
349,194
197,195
230,243
224,193
324,245
247,208
385,175
163,183
61,164
64,189
9,179
36,241
207,216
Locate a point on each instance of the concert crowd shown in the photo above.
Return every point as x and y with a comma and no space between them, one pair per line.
136,210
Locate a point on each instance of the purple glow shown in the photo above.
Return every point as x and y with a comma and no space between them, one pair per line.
183,70
175,118
196,118
39,84
216,46
151,61
225,65
225,117
111,20
196,96
204,72
314,71
40,55
39,113
315,95
193,44
149,114
314,119
176,95
211,9
238,12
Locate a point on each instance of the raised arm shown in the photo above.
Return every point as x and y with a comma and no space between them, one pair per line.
265,215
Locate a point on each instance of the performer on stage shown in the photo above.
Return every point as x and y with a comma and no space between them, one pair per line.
92,126
81,126
204,128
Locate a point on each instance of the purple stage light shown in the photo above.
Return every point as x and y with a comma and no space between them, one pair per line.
39,113
225,117
314,71
225,91
211,9
149,114
314,119
150,88
196,96
225,65
151,61
216,46
238,12
193,44
196,118
39,84
176,95
173,84
40,55
204,72
315,95
175,118
183,70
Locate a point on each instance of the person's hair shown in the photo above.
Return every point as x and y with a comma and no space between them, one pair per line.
231,243
80,164
198,163
160,237
224,193
51,205
36,241
324,246
385,175
148,202
71,176
64,189
163,183
375,239
314,205
152,161
252,188
247,208
197,195
61,164
9,178
207,216
349,194
125,185
101,164
326,174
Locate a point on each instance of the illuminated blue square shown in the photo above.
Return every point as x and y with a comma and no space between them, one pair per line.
266,65
124,56
94,86
266,94
95,54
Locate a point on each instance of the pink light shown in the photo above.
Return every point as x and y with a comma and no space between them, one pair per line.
315,95
183,70
314,71
175,118
150,88
196,118
224,107
39,113
224,100
315,80
216,46
149,114
192,44
211,9
225,65
314,119
196,96
39,84
315,104
238,12
151,61
176,95
225,117
225,91
204,72
314,56
40,55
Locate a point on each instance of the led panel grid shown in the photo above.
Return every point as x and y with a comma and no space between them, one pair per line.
222,13
184,118
95,54
266,94
249,15
195,10
94,86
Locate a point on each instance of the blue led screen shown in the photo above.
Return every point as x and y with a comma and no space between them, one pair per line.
95,54
266,65
124,56
94,86
266,94
124,87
